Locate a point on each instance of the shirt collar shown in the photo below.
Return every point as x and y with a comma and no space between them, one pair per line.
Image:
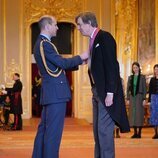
93,33
46,36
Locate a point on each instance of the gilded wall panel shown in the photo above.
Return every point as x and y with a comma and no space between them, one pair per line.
156,29
146,35
126,34
1,39
63,10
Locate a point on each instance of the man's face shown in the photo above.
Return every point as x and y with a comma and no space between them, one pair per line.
15,77
156,71
52,28
83,28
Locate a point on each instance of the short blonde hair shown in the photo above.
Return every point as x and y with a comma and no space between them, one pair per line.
44,20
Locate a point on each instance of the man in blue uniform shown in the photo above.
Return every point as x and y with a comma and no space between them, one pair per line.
55,90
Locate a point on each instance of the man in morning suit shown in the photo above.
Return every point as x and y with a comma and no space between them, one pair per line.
108,101
55,90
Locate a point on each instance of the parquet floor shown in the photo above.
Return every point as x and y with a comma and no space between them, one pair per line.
77,142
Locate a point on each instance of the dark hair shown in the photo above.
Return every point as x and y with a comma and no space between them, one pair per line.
156,65
88,18
137,64
7,96
17,74
44,20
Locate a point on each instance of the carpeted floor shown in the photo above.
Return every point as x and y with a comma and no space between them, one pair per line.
77,142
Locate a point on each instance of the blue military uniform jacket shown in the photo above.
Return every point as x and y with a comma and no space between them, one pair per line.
53,89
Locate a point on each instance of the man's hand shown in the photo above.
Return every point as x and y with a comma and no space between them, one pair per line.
4,91
84,56
109,99
144,103
127,102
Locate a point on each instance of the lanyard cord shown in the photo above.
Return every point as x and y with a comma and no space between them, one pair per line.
58,71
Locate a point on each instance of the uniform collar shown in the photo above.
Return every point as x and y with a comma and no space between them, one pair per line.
48,38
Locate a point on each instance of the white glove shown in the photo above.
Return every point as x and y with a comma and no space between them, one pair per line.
4,91
2,86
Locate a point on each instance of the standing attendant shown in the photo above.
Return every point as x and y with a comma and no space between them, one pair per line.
136,95
16,103
153,99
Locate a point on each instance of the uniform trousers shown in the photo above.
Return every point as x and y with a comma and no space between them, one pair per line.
103,129
48,137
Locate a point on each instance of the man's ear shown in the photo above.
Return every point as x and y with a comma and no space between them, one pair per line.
89,22
47,27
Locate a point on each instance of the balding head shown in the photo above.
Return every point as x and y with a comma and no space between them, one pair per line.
44,20
48,25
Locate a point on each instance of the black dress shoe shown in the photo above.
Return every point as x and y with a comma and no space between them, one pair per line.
11,129
18,129
138,136
134,136
155,136
118,136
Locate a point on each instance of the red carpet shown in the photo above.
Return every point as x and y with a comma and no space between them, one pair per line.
77,142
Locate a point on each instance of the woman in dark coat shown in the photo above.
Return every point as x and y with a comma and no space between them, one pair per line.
136,95
153,99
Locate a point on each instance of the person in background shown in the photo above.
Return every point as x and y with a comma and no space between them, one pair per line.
108,100
3,92
136,99
153,100
36,90
6,109
1,109
16,102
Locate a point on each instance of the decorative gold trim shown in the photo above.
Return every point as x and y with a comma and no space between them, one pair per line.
11,68
63,9
100,14
67,55
156,31
112,19
52,73
126,34
4,39
146,35
21,28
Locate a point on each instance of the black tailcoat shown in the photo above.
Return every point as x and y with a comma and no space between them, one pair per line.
16,107
106,75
